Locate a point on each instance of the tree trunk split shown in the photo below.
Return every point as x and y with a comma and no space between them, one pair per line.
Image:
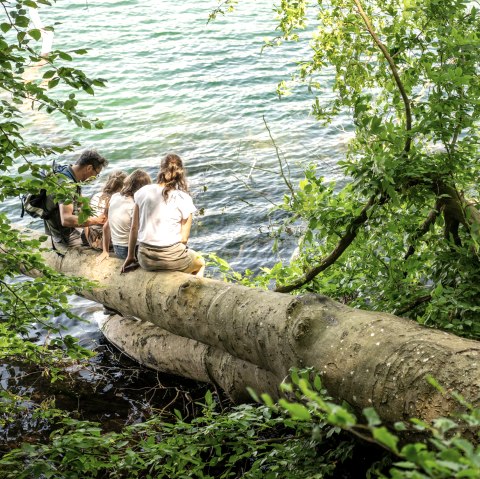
236,337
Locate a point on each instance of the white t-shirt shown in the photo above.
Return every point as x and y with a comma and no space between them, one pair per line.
98,203
160,220
120,213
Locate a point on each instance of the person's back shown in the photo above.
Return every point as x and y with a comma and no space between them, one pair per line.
119,215
63,225
99,204
162,219
120,218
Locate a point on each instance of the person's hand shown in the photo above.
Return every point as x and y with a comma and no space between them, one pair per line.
100,220
101,257
96,220
128,263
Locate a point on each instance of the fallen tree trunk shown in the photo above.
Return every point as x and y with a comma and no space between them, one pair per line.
236,336
158,349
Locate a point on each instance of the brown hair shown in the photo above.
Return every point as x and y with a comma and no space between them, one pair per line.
114,182
134,181
113,185
92,157
172,175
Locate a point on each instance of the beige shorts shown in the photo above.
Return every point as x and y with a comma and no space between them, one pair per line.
177,257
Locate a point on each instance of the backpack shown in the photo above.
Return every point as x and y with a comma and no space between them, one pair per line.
40,205
37,205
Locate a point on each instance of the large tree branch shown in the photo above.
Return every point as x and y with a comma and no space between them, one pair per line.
238,336
393,68
342,245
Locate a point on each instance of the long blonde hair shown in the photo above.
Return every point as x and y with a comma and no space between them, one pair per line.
172,175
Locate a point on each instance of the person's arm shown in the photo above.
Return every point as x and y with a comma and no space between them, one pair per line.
132,240
105,243
185,229
69,220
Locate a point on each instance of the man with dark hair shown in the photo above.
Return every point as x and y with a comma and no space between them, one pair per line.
63,225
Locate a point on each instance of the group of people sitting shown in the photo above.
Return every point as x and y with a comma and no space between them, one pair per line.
144,223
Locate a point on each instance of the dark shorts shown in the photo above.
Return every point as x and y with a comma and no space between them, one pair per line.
76,238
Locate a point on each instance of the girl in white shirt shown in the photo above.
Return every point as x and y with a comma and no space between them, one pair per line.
120,213
161,223
99,203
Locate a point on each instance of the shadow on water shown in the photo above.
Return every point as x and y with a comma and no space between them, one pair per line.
110,389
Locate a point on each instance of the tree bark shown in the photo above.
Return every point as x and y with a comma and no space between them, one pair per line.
236,337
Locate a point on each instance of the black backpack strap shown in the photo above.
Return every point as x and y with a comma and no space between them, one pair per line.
22,214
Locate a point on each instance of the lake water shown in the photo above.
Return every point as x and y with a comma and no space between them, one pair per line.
176,83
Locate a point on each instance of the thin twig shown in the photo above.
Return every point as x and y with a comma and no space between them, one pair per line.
259,193
21,301
431,218
414,304
277,150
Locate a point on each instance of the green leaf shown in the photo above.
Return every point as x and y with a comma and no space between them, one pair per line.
178,414
22,21
372,416
53,83
253,394
49,74
267,399
208,398
400,426
65,56
35,34
317,383
297,411
5,27
385,437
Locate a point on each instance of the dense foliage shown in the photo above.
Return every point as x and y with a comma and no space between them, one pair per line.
27,81
402,235
301,437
